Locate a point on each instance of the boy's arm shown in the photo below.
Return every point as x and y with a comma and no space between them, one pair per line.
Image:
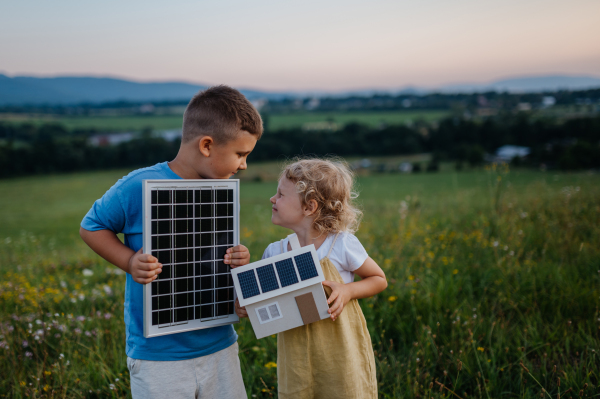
144,268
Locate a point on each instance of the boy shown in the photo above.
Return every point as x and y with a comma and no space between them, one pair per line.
220,129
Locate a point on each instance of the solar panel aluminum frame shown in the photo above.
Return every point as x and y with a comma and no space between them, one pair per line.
282,290
190,184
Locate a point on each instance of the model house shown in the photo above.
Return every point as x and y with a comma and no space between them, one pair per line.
282,292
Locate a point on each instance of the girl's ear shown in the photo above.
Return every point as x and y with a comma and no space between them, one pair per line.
205,145
310,208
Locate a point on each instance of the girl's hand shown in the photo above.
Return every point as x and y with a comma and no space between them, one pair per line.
239,310
340,296
237,256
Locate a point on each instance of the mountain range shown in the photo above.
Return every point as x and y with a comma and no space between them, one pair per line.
68,90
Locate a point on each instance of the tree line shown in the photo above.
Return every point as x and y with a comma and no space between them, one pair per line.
573,144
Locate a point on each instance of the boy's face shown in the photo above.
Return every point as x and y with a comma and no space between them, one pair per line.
227,159
287,209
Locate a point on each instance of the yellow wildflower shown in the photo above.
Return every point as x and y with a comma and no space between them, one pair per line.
270,365
392,298
479,348
455,271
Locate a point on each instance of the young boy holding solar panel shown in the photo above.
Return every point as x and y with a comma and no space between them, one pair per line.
220,129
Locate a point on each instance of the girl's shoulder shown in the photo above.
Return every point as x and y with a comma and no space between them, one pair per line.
348,251
273,249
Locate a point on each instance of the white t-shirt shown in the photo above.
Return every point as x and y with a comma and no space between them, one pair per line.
347,254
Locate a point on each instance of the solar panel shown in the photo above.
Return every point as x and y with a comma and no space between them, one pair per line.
188,226
306,266
267,278
248,284
287,273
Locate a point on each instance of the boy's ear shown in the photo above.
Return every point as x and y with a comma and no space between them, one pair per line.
310,208
205,145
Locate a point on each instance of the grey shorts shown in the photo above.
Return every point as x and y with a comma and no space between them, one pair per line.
215,376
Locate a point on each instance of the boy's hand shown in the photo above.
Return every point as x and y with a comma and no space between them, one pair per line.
237,256
239,310
144,268
340,296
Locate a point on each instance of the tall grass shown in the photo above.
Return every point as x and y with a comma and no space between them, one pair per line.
493,292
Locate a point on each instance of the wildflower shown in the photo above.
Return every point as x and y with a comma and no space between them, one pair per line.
63,284
496,243
107,316
270,365
80,318
56,315
61,356
29,354
116,380
47,372
107,289
25,344
81,297
111,386
455,271
479,348
255,348
22,383
411,277
87,272
88,334
38,322
57,335
77,331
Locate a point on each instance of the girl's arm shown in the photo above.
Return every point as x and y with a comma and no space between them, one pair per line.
372,282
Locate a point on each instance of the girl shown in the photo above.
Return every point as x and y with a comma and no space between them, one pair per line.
331,358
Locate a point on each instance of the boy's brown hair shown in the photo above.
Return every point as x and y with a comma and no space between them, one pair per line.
220,112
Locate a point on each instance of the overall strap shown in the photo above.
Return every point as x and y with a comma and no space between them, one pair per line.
281,243
332,244
294,242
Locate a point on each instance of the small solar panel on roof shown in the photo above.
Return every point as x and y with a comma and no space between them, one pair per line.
248,284
267,278
306,266
286,272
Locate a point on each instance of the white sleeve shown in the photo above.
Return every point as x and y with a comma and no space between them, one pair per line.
269,251
354,252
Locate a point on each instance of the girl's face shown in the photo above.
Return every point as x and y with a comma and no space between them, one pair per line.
287,210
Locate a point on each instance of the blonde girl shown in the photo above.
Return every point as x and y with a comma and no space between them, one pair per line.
332,358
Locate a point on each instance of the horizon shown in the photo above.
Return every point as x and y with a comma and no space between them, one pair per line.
336,46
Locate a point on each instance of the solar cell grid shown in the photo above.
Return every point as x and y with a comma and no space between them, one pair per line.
287,273
267,278
190,241
248,284
306,266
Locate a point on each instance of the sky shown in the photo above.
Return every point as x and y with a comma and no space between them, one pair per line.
301,45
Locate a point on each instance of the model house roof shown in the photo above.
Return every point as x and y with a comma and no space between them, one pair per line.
278,275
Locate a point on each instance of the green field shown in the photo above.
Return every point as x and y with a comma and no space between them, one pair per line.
275,121
487,270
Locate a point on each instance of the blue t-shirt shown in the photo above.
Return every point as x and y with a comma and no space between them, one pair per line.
120,211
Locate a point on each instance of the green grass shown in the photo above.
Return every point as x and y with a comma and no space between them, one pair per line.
486,269
275,121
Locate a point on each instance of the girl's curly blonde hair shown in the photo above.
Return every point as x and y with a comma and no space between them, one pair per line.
330,182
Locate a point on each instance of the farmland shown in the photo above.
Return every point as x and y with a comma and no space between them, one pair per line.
493,286
275,121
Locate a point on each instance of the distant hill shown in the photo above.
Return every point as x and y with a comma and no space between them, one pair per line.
73,90
23,90
527,84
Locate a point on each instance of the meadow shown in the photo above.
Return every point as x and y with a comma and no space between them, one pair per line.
493,286
275,121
